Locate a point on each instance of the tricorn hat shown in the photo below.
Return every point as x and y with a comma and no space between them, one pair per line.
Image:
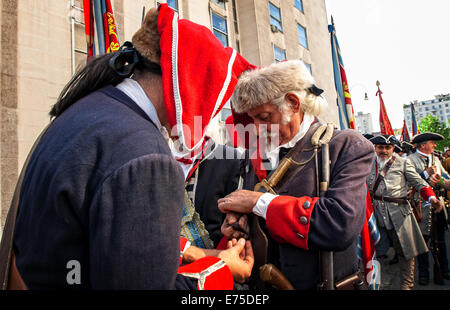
368,136
387,140
426,136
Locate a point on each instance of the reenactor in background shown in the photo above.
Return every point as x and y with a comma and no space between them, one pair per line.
390,178
430,169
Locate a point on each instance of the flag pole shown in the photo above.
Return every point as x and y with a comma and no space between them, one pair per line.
385,124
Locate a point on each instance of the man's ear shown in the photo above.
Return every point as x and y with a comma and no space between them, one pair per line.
294,102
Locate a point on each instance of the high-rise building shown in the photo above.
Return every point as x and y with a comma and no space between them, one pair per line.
439,107
43,43
364,123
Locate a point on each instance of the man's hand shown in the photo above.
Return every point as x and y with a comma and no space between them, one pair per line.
229,229
410,194
435,179
240,201
239,258
436,204
193,253
431,170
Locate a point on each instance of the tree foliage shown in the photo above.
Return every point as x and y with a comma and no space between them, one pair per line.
431,123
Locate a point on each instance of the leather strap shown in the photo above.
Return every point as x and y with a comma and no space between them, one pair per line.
382,174
400,200
7,258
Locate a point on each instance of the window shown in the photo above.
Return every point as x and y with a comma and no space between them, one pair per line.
219,2
225,113
299,5
220,29
173,4
302,38
235,17
279,54
275,17
309,67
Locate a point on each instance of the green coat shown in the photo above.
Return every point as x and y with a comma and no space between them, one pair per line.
399,178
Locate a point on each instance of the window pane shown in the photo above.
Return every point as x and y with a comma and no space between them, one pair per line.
302,36
309,67
299,4
279,54
219,23
173,4
222,38
218,2
276,23
274,11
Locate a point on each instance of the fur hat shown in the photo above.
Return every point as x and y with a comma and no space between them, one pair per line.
146,39
268,84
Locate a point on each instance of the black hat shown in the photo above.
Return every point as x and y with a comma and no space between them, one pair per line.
426,136
368,136
387,140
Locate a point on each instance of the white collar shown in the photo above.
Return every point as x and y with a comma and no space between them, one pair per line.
423,154
272,155
133,90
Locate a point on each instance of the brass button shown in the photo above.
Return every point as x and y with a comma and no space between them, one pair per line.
303,220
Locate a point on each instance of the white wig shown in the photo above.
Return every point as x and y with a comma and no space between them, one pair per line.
271,84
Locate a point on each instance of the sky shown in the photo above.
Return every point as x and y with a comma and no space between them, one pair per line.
405,44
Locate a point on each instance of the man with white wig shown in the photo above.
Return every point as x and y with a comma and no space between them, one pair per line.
307,209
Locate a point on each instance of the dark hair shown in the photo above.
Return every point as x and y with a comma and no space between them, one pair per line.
96,74
107,69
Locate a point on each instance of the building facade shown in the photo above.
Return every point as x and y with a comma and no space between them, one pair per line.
44,44
439,107
364,123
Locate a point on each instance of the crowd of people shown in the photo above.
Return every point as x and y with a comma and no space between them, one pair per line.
125,185
406,182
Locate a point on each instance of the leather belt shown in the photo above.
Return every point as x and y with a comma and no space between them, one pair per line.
401,200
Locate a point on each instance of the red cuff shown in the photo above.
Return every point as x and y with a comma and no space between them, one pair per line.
288,219
222,244
426,192
211,273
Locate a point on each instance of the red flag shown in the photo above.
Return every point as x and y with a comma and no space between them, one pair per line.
405,133
111,38
385,124
348,99
89,26
369,237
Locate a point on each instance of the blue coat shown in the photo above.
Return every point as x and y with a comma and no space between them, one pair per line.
330,223
103,191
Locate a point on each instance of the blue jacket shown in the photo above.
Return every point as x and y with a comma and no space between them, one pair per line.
101,193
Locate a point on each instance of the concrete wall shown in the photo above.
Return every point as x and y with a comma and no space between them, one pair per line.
8,103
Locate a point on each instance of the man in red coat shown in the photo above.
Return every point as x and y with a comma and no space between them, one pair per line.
299,224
